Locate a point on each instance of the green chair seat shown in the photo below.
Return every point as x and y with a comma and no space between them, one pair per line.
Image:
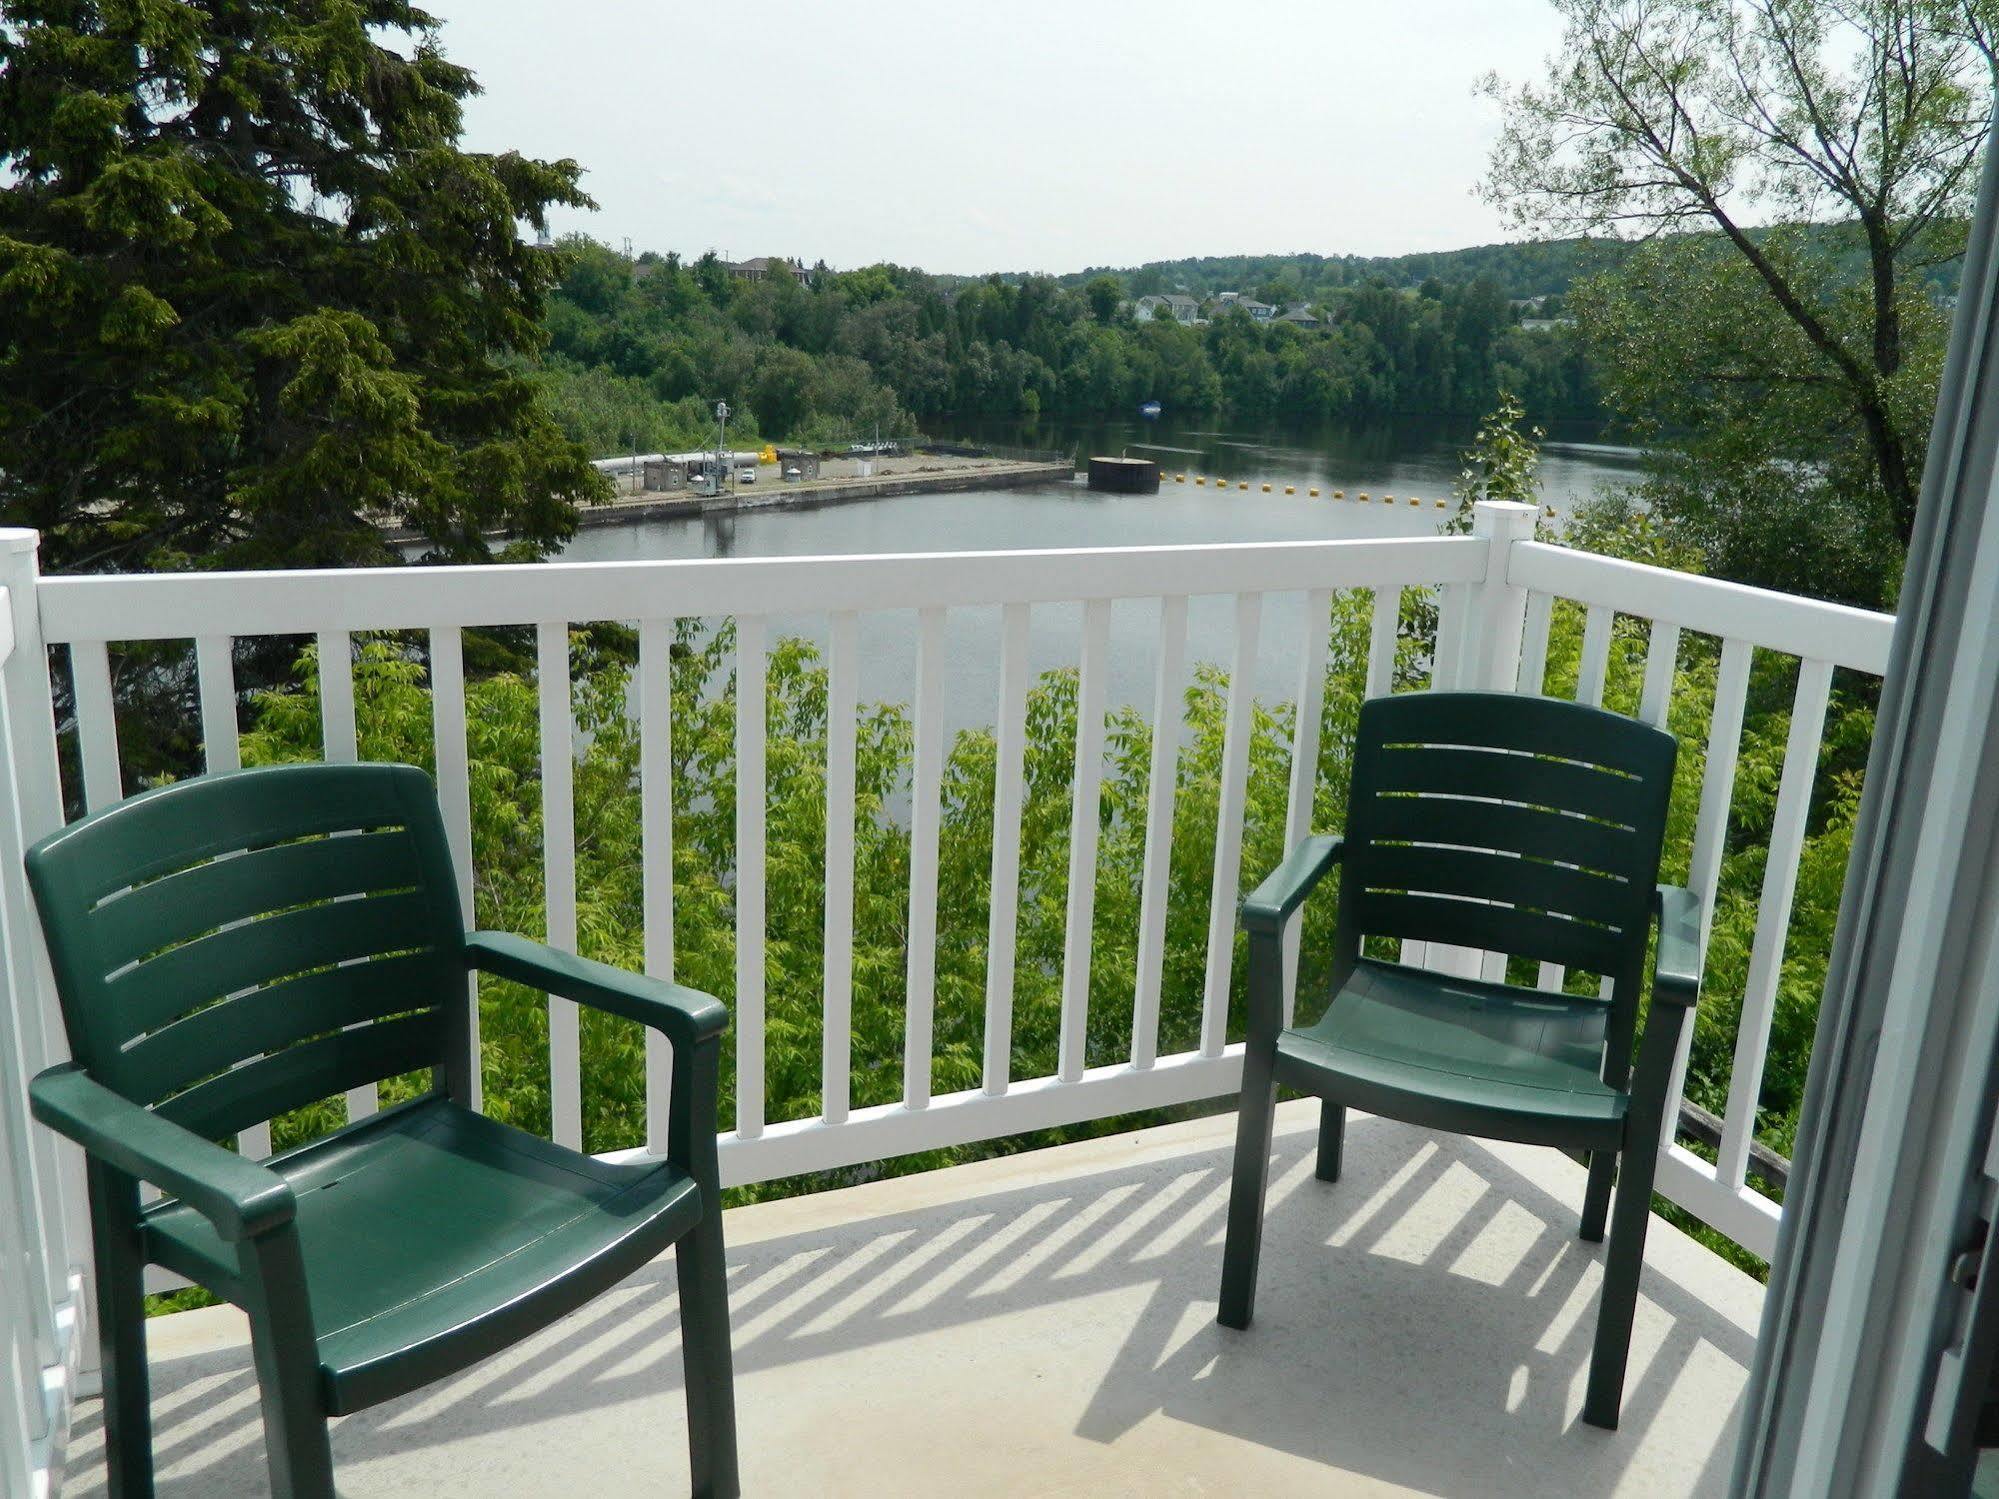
431,1233
1457,1054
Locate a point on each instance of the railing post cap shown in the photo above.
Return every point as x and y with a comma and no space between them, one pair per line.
14,540
1503,518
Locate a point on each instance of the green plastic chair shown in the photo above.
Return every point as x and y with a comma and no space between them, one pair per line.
237,945
1510,824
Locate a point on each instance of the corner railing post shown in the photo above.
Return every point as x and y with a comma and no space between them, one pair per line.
49,1173
1479,635
1490,659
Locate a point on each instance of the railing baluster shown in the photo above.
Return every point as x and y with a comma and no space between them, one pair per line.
836,1044
1724,745
96,724
1662,659
338,736
1085,814
655,673
1228,826
924,816
1305,763
1534,643
454,794
216,668
33,1168
1167,711
340,743
1003,918
1595,660
215,671
558,864
22,1419
1590,671
1773,917
1382,637
1453,620
750,750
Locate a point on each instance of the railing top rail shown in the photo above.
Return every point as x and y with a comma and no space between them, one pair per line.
176,606
1797,626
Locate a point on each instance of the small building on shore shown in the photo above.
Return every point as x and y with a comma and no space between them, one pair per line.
671,471
794,464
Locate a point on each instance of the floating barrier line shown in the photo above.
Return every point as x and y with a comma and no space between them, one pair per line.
1360,496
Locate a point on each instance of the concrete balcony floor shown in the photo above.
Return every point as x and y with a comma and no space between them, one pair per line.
1044,1325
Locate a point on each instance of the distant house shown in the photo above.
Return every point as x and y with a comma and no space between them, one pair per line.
1299,316
1184,310
1543,324
765,266
1262,312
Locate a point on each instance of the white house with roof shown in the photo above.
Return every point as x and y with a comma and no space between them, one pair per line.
1180,309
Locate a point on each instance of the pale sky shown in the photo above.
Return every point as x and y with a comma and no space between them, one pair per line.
1016,136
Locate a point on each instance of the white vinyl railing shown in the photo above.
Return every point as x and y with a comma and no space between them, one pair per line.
44,1222
1498,590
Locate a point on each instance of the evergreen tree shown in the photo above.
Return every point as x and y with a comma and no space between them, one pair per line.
254,298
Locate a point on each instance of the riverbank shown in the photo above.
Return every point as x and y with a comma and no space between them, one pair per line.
912,475
931,477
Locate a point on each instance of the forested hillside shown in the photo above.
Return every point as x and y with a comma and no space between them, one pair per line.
641,349
1527,268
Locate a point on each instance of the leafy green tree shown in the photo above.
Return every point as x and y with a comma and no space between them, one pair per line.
1502,463
256,299
1828,153
1105,294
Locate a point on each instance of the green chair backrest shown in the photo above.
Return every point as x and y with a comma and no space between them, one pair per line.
305,916
1514,824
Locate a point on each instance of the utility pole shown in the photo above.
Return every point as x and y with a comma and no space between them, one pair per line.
721,442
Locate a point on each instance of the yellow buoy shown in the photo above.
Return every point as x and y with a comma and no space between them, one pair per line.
1199,480
1441,505
1551,512
1266,489
1179,478
1313,491
1362,497
1388,499
1414,501
1339,494
1243,485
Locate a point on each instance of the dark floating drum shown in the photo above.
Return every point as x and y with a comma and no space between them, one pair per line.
1125,475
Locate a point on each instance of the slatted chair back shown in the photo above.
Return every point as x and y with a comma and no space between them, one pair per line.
1513,824
234,946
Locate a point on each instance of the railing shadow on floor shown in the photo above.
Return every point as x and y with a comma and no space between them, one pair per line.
1425,1322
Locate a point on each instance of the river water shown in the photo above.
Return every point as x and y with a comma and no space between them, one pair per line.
1418,460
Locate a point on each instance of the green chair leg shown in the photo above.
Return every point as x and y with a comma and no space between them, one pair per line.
1596,1196
1247,1182
1622,1263
287,1359
704,1341
121,1333
1332,1140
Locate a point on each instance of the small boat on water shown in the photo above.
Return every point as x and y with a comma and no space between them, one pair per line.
1150,410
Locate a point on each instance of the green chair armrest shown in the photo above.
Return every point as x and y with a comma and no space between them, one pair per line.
242,1198
1270,904
1676,973
684,1016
